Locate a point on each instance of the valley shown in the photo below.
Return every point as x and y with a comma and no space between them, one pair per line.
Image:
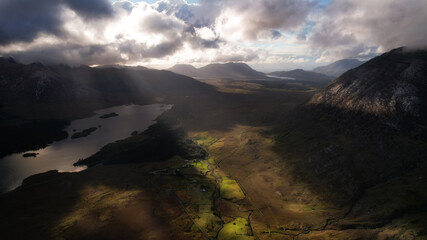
238,158
213,120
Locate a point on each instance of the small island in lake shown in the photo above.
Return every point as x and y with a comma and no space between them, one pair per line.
83,133
109,115
27,155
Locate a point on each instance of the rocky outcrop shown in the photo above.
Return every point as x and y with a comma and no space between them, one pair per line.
393,84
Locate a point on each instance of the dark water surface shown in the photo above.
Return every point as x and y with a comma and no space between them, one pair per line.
62,154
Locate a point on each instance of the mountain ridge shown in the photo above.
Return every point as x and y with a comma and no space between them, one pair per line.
37,101
218,70
302,75
391,84
339,67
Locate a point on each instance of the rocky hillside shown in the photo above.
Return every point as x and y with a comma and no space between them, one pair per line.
393,84
365,128
33,81
339,67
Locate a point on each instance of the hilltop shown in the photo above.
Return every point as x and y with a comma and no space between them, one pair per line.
217,70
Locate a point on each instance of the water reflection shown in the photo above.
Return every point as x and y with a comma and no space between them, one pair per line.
279,77
61,155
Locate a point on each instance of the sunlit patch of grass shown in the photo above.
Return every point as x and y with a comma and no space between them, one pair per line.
238,229
211,160
203,139
229,189
202,166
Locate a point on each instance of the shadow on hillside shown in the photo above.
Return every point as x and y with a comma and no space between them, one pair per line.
222,111
342,155
106,202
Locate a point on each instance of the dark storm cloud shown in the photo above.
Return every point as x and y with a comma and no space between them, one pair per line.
90,8
161,50
24,20
210,43
76,55
71,54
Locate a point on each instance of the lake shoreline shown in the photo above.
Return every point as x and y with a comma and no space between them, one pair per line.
61,155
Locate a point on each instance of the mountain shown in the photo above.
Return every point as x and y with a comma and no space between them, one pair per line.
86,88
37,101
184,69
301,75
339,67
363,139
217,70
393,84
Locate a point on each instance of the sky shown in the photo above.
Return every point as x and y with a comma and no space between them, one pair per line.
269,35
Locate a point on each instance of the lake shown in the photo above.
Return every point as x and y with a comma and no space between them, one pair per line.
279,77
62,154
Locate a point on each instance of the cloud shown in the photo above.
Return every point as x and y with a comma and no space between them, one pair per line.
88,9
354,28
260,31
247,19
98,32
24,20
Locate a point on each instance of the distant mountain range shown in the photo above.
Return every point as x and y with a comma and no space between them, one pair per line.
339,67
33,96
86,87
217,70
302,75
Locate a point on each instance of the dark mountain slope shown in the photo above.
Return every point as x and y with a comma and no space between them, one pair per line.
363,137
392,85
37,101
301,75
86,88
339,67
216,70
